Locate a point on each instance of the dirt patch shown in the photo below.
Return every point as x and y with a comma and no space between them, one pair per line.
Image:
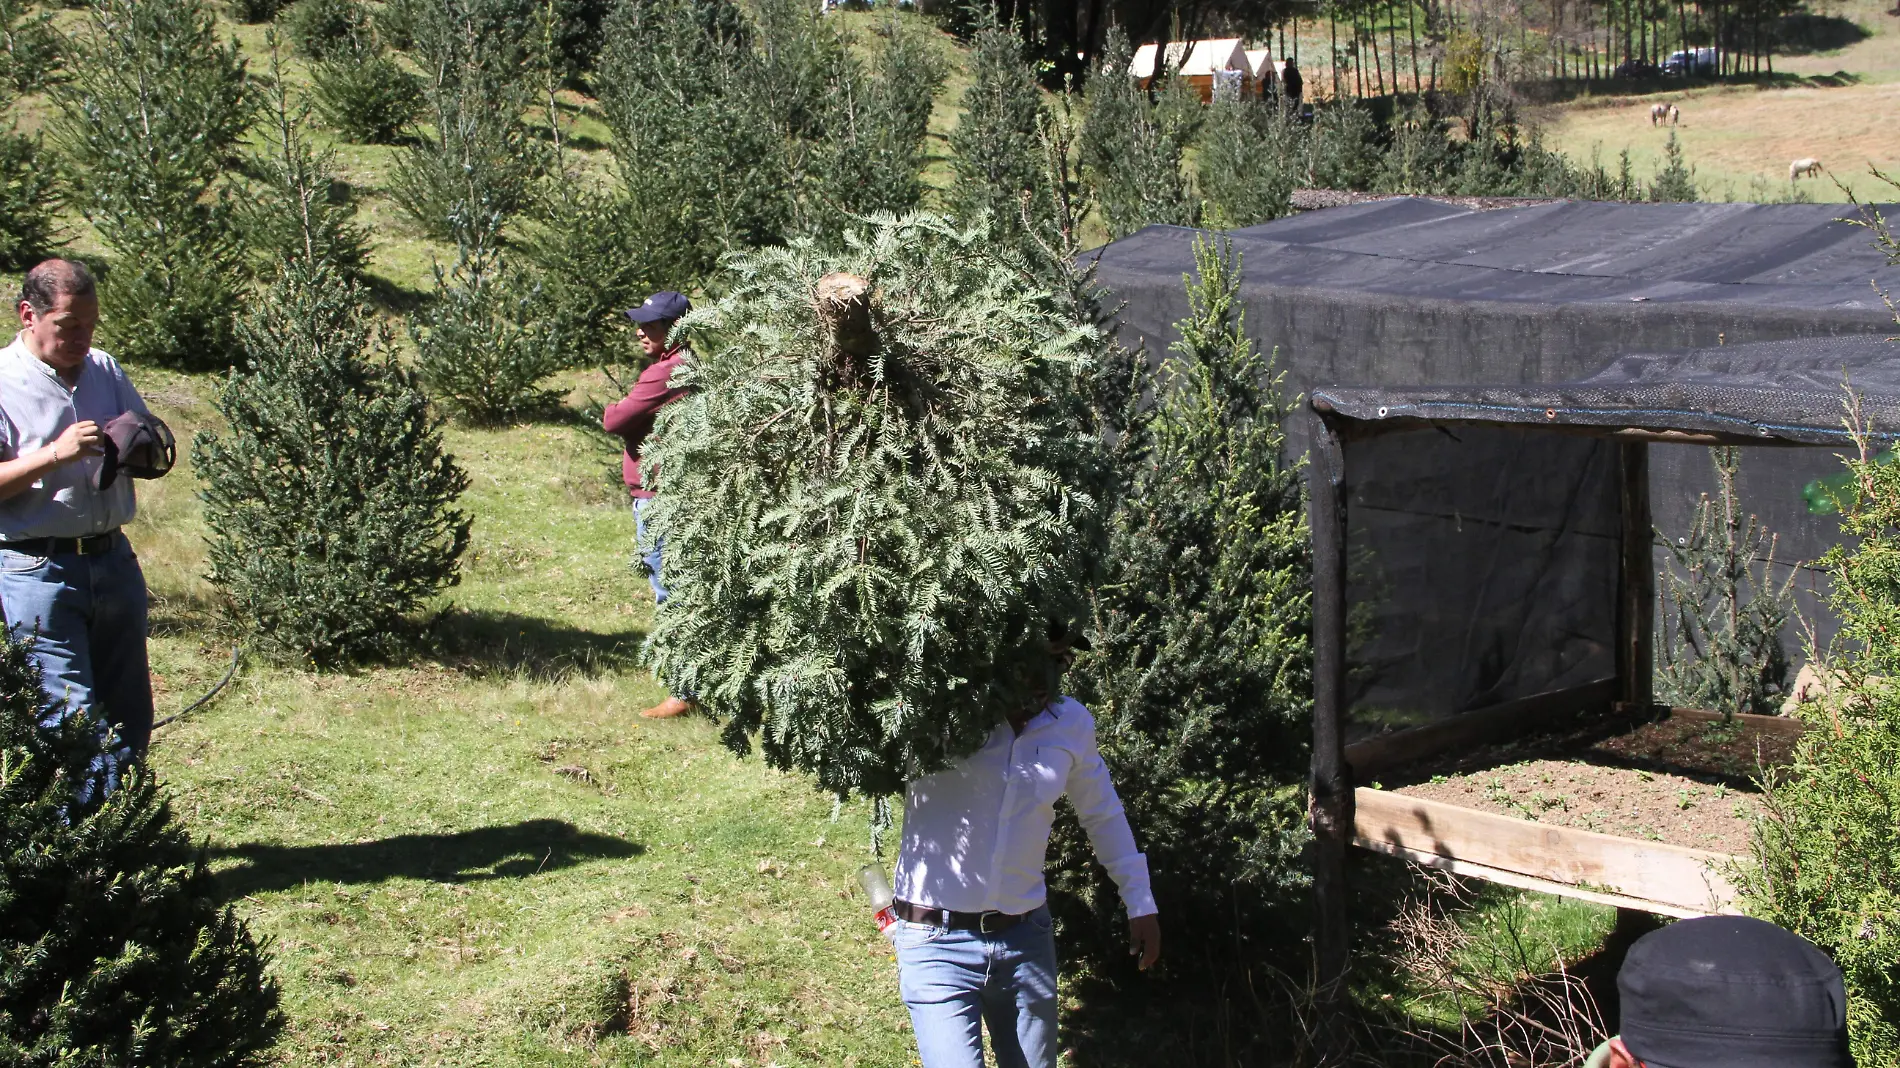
1627,802
1703,749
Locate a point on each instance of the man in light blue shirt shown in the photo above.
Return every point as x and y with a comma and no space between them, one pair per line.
68,577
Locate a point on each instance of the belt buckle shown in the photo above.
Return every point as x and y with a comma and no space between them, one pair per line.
79,545
983,922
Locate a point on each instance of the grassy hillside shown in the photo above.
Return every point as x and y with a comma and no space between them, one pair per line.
1841,107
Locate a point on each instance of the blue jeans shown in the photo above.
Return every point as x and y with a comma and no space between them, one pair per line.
649,548
89,612
955,981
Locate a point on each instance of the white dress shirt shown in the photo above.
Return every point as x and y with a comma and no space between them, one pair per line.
977,833
36,407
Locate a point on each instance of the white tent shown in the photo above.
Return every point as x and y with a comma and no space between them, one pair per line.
1196,59
1261,66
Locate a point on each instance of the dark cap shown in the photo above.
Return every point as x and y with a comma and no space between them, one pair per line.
140,445
1061,631
664,305
1732,992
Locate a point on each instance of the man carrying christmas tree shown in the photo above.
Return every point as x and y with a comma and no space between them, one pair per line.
66,570
632,419
974,939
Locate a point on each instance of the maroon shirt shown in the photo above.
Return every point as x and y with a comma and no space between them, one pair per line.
632,418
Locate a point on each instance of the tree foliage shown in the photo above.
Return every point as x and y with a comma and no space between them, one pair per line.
870,524
997,143
478,160
1201,676
364,94
1134,141
151,117
1720,642
1248,164
115,948
293,211
485,342
330,498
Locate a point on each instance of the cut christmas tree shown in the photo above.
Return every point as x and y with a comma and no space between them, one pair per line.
880,494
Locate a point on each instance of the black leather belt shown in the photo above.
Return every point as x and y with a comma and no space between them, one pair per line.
87,546
982,922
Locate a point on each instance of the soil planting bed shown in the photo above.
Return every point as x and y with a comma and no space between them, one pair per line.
1680,781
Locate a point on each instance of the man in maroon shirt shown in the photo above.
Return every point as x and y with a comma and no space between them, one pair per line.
632,419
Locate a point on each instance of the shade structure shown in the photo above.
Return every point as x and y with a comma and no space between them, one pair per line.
1595,544
1475,573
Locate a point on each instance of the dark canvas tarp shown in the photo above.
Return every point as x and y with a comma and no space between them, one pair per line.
1481,564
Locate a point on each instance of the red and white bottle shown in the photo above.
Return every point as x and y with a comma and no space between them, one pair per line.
883,902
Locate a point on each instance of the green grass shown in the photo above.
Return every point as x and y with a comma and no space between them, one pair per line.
483,856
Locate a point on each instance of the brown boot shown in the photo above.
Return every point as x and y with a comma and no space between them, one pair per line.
668,708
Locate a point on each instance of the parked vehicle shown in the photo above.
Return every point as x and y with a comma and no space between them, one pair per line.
1691,61
1635,68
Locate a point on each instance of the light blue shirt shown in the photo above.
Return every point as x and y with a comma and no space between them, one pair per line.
36,407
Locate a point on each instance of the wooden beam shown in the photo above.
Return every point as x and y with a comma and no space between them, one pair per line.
1329,805
1636,583
1786,726
1484,726
1653,872
1530,882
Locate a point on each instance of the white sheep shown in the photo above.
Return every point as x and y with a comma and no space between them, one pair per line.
1657,113
1810,167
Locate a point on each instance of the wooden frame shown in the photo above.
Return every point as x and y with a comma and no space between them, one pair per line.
1626,873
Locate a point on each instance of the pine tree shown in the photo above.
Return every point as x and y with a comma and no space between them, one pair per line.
29,199
865,154
291,212
326,29
712,173
364,94
485,343
330,499
584,249
882,489
151,116
1133,144
1249,162
1720,645
479,159
1201,677
997,144
1675,181
1827,852
115,948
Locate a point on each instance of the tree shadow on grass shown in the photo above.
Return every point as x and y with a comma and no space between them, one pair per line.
512,851
480,643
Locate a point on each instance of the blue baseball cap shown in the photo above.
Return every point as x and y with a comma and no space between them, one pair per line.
662,306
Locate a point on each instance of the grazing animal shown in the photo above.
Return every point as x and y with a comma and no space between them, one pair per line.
1657,113
1809,167
1675,115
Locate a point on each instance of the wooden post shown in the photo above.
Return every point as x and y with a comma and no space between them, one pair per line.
1329,806
1636,585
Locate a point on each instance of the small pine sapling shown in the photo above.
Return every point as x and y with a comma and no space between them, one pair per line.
1720,645
583,248
293,211
484,342
115,945
1675,180
365,94
326,29
882,489
330,498
149,119
1201,676
29,198
1248,162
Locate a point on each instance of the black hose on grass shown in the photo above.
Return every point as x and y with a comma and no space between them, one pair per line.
213,692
